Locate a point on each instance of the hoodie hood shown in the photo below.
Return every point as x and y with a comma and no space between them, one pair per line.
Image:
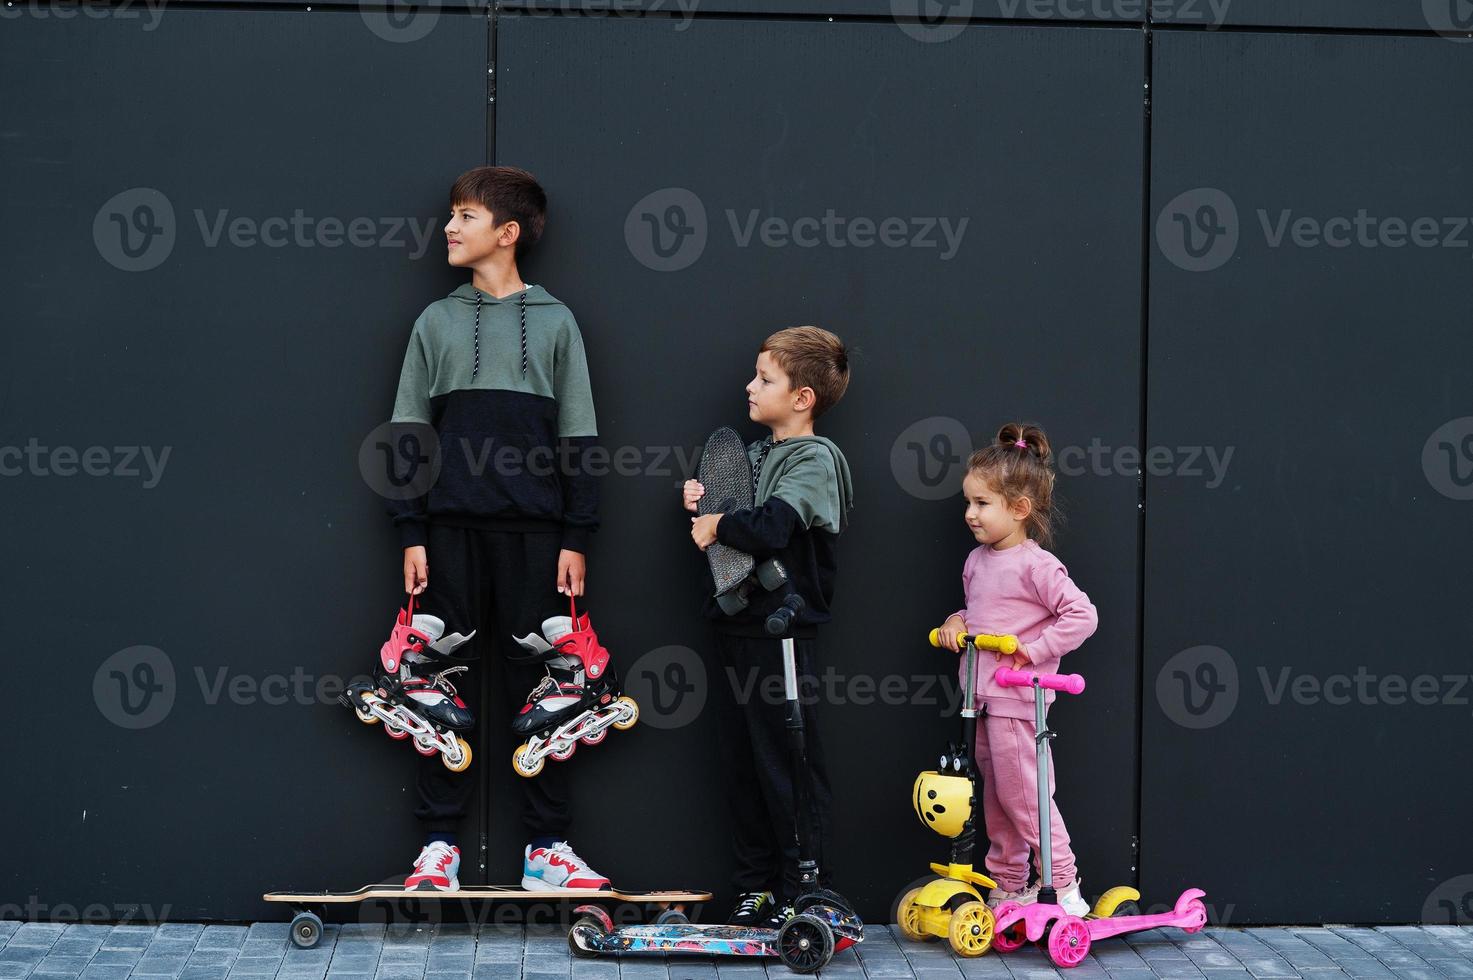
822,495
471,296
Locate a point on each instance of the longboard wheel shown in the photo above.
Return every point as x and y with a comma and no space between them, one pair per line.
465,757
671,917
306,929
519,763
630,714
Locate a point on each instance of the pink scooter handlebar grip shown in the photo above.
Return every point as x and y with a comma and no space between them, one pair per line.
1068,683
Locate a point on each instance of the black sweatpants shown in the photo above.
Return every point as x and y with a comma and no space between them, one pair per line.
501,584
757,762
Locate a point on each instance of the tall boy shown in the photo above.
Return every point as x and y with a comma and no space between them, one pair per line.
803,496
498,363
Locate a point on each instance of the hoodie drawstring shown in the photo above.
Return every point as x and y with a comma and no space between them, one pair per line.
476,364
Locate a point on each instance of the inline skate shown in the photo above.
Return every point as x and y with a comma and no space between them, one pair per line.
577,701
410,697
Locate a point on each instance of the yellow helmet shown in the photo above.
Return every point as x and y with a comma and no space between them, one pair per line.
943,802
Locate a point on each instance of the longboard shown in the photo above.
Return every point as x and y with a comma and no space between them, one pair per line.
306,926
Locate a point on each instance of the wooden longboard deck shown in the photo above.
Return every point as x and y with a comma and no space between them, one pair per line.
480,892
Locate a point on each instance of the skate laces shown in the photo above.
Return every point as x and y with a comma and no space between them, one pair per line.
751,902
435,856
562,847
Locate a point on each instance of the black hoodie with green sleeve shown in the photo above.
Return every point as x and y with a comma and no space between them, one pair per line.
803,497
504,384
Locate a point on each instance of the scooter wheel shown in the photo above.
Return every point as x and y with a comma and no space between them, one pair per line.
908,917
519,761
971,929
465,757
1014,936
1068,942
805,943
630,715
588,929
1198,912
1124,909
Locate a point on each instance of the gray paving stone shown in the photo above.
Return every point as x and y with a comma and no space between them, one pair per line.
204,973
255,966
181,930
222,937
106,972
1365,967
160,964
61,964
7,928
128,937
270,930
37,934
1450,967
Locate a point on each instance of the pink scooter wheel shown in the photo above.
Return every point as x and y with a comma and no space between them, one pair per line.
1014,936
1068,942
1198,913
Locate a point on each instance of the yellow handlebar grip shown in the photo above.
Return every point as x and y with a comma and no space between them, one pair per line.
1005,643
935,638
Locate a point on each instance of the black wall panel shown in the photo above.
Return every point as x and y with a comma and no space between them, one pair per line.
1331,559
1035,314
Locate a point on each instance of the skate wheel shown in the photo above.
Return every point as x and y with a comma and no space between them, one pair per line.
465,757
519,761
565,753
1068,942
395,732
671,917
1014,936
629,716
771,575
364,714
426,750
805,943
970,929
596,737
908,917
306,930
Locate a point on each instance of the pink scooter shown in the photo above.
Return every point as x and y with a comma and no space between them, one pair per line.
1069,936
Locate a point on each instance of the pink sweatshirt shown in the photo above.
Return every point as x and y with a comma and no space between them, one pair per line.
1025,591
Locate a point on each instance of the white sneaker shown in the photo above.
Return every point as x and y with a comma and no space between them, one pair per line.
435,869
1023,896
1072,901
547,869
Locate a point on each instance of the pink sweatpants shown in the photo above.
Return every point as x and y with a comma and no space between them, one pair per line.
1007,760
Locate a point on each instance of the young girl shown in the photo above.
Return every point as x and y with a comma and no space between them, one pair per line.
1012,585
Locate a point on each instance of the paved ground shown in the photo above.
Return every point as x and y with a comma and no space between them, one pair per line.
45,951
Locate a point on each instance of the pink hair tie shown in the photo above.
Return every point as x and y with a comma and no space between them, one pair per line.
1021,444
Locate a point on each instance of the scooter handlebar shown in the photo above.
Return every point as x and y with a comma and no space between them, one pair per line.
1068,683
1005,643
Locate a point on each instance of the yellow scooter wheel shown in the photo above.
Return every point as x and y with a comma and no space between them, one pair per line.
909,916
971,929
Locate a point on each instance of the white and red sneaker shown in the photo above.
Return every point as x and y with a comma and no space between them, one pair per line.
435,869
546,869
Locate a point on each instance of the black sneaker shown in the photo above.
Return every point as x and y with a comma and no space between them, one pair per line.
751,909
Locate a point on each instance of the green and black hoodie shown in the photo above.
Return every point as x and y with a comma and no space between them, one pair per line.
504,384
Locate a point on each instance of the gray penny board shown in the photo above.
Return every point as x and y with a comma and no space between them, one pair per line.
726,473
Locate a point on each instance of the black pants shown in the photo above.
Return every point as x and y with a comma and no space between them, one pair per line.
757,762
500,583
